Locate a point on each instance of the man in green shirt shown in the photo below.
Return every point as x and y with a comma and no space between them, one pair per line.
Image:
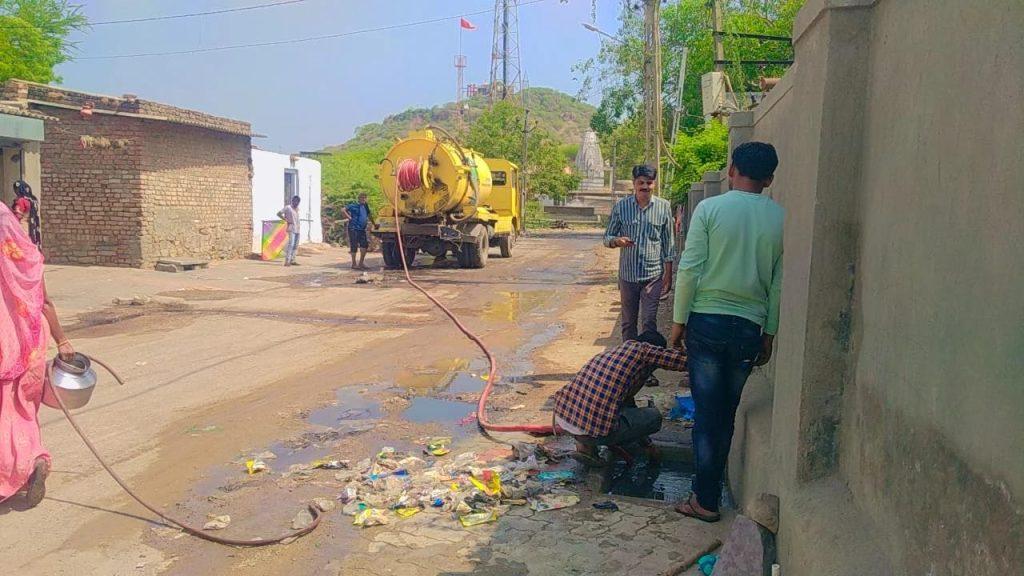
727,309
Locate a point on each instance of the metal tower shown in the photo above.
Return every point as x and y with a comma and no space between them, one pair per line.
506,71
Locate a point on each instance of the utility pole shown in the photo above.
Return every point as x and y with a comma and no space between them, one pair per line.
652,86
526,152
717,31
678,112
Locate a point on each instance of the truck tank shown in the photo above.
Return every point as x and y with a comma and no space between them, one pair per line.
434,178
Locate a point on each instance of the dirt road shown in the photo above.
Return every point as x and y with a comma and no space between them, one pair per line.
249,357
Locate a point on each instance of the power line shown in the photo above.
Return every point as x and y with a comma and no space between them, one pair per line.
297,40
194,14
177,16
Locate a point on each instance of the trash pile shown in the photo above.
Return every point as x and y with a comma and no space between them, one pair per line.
472,488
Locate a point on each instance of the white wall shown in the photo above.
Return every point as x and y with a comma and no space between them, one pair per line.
268,170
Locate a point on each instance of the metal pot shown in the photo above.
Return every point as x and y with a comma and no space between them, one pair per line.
73,381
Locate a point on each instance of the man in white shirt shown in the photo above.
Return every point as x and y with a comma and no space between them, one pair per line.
290,214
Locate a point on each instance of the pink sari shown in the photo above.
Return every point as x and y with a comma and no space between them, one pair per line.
23,338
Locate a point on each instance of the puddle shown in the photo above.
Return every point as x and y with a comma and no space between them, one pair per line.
433,376
349,409
467,383
511,306
667,481
426,409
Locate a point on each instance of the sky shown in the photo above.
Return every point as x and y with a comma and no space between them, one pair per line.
304,96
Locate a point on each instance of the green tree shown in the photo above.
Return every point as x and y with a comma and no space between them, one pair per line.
703,150
34,37
625,146
618,67
498,133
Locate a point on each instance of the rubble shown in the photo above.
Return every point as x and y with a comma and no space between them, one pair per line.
472,488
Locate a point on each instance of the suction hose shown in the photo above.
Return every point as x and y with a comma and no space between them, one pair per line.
481,409
198,533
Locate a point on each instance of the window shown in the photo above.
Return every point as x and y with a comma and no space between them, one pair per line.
499,178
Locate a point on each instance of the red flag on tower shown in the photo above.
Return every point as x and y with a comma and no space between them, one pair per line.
466,24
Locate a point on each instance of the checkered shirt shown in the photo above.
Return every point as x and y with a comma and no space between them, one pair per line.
592,399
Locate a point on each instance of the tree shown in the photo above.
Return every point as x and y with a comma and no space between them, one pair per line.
624,145
618,68
703,150
34,37
498,133
619,65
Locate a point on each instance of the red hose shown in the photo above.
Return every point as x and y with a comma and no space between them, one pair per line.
409,177
481,409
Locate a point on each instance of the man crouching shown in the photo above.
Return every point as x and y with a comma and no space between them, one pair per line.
597,406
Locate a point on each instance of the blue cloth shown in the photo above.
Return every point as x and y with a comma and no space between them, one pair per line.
360,214
707,564
651,230
721,350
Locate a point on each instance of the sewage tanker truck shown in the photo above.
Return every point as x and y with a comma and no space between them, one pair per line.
450,199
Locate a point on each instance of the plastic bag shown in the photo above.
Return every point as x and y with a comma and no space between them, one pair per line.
487,481
477,518
370,517
407,512
684,408
553,501
439,446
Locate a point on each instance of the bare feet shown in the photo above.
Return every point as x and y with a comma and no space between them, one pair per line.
692,508
37,483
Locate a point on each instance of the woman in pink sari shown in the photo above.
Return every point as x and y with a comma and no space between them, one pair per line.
27,319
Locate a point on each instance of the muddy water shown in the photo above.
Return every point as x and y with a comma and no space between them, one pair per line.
407,389
668,480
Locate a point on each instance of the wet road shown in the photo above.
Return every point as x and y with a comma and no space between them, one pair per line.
243,360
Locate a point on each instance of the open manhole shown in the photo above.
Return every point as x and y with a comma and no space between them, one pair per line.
668,480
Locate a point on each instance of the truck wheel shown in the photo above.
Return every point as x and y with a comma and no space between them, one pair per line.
474,254
390,252
505,245
410,255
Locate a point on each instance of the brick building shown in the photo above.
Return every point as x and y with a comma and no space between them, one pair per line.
127,182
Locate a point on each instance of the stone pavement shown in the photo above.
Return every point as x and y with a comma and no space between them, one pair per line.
641,538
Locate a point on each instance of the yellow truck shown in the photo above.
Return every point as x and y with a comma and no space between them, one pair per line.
449,199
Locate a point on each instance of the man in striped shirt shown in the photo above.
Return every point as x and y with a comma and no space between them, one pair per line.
641,226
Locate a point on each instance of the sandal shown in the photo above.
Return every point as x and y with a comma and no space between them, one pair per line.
689,508
36,485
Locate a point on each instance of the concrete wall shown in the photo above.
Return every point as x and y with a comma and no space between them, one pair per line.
268,195
891,421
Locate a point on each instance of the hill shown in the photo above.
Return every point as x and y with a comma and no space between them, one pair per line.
562,115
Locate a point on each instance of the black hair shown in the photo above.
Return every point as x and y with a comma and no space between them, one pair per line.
646,171
755,160
652,337
23,190
296,198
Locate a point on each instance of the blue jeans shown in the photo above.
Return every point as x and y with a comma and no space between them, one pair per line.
721,350
293,246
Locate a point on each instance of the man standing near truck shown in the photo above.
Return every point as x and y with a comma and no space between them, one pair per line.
358,214
641,227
